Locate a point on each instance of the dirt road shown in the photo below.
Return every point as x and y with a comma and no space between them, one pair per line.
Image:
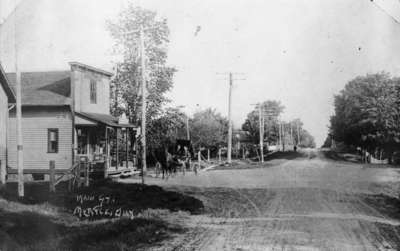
299,204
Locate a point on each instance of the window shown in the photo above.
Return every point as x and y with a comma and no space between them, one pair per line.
93,92
52,140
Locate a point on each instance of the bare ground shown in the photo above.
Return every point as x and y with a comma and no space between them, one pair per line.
299,204
127,217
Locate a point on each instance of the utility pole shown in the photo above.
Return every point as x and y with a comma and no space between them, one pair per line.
141,31
229,157
280,135
187,128
283,136
20,157
230,120
291,133
298,133
144,102
260,114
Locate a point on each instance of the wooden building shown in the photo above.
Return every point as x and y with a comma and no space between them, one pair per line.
66,118
7,99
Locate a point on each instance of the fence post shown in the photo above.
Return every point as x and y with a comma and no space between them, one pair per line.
52,178
78,176
199,160
219,155
87,174
208,155
106,166
2,173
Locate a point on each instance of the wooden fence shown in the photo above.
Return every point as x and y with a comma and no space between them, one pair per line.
73,174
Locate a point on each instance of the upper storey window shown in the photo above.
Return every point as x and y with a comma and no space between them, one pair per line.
93,91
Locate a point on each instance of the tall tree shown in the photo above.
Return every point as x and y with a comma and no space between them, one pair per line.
307,140
166,128
208,129
271,111
126,84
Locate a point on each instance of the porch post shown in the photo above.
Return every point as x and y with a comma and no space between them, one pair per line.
88,142
52,179
116,144
126,146
75,144
107,155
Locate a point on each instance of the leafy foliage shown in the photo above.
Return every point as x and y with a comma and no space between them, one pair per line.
327,142
307,140
167,128
272,109
208,128
126,86
367,113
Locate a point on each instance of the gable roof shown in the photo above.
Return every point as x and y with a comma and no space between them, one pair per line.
44,88
6,86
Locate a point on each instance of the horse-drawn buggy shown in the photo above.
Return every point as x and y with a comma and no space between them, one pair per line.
170,160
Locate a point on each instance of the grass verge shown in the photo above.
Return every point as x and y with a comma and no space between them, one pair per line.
32,231
112,216
105,199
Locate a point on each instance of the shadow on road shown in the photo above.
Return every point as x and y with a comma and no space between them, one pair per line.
290,155
271,159
338,156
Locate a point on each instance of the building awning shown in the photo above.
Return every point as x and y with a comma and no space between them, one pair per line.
84,122
90,119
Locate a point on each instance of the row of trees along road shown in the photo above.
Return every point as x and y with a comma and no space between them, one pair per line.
292,132
367,115
208,128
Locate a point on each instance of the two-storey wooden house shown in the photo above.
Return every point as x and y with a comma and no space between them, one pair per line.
7,98
66,115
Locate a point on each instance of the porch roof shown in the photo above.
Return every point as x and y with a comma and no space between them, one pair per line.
105,119
4,82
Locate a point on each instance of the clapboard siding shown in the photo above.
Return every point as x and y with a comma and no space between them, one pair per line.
3,126
35,122
82,80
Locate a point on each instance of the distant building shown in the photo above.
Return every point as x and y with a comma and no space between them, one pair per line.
7,98
66,115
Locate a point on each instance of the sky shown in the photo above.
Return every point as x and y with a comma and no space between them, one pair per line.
300,52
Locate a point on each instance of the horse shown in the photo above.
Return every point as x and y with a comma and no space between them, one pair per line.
169,159
161,157
173,163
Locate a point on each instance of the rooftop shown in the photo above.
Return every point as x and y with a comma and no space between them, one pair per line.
44,88
91,68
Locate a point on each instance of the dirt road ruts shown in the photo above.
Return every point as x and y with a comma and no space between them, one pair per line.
300,204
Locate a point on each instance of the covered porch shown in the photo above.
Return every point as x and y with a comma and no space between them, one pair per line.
106,144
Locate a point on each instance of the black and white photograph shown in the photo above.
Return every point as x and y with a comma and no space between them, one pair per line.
185,125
